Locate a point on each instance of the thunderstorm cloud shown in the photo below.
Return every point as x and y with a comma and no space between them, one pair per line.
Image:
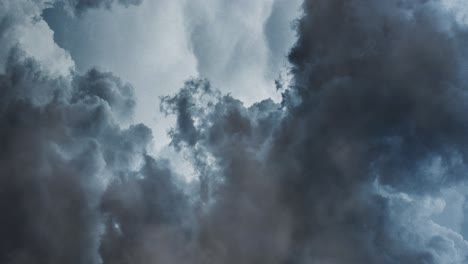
269,131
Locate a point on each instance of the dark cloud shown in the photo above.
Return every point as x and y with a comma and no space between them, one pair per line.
242,219
386,78
62,154
145,216
80,6
374,125
348,168
107,87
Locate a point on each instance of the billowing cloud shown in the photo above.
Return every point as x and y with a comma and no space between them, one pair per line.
22,26
362,161
79,6
240,46
150,40
61,147
377,101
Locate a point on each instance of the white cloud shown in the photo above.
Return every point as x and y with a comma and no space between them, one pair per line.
25,28
237,43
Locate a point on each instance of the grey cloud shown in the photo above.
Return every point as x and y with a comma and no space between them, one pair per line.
377,96
389,82
155,58
349,168
118,95
80,6
382,94
145,215
60,152
244,221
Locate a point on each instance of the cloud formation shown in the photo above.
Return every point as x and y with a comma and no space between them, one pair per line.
356,164
61,147
79,6
373,130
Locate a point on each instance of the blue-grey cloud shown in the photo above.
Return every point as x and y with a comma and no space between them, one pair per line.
372,130
61,149
355,165
79,6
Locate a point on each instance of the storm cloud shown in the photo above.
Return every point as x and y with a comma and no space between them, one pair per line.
352,163
362,160
80,6
59,153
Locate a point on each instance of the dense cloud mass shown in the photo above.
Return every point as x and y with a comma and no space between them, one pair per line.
373,130
59,152
363,160
80,6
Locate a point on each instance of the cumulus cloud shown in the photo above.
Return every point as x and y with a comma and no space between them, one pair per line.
362,161
377,93
152,46
60,151
240,46
109,88
79,6
22,26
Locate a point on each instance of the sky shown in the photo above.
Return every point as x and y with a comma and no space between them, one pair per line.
221,131
240,46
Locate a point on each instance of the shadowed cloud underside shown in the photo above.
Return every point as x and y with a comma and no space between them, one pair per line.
362,160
